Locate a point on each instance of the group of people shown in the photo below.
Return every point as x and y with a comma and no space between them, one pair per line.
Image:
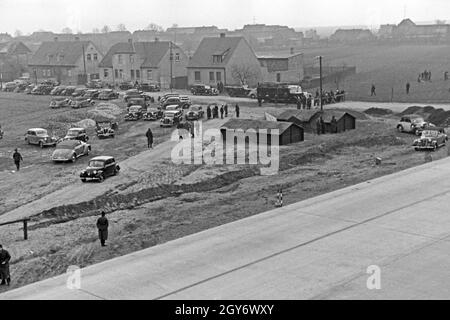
213,112
424,76
321,126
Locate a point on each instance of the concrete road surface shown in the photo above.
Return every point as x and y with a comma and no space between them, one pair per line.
320,248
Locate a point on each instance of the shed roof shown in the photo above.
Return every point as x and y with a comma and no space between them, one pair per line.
246,124
302,115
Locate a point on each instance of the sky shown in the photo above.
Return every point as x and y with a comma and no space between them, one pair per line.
85,15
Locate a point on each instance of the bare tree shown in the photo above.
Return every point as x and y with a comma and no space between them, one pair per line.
67,30
154,27
18,33
96,30
121,27
106,29
245,74
437,21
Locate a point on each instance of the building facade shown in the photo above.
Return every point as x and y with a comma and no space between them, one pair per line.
282,68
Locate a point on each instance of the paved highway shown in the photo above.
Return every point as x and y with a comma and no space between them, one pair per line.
315,249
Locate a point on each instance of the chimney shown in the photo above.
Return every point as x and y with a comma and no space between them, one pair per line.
55,38
222,35
292,50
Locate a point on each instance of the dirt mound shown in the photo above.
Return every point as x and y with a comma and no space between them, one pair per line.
438,117
86,123
378,111
411,110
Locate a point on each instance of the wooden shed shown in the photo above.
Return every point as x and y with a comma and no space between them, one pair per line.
302,118
288,132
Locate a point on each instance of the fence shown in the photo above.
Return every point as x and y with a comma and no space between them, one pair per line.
25,226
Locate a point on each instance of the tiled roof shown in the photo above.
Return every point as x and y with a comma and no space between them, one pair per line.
203,56
13,47
59,53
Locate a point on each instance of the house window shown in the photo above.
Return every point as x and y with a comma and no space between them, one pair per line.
211,76
120,73
44,72
278,77
138,74
69,73
132,74
217,59
88,57
105,73
131,59
95,57
119,57
197,76
149,75
49,57
116,73
218,76
177,57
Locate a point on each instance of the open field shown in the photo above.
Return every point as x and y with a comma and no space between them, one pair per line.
153,200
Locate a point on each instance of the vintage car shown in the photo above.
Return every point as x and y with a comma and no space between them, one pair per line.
99,168
108,94
68,91
106,129
237,91
81,102
21,87
203,90
132,93
431,139
411,123
91,94
185,102
148,87
252,94
171,118
79,92
56,91
9,86
134,113
77,134
95,84
42,89
153,114
40,137
126,86
137,101
60,103
196,112
70,150
29,89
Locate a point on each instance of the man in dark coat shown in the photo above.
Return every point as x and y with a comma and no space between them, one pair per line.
333,125
237,110
208,112
102,226
221,112
4,266
149,136
372,91
17,157
408,86
216,112
226,110
318,127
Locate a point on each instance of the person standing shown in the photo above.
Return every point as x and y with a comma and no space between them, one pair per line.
373,91
17,157
333,125
226,110
4,266
221,112
237,110
408,86
102,226
149,136
208,112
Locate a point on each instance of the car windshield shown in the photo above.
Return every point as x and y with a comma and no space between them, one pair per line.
41,133
96,164
169,115
73,133
416,120
135,109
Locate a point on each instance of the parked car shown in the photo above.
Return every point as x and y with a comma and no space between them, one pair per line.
134,113
29,89
106,129
132,93
70,150
148,87
431,139
203,90
40,137
56,91
95,84
81,102
42,89
60,103
68,91
171,118
99,168
79,92
126,86
237,91
153,114
21,87
137,102
411,123
108,94
185,102
91,94
9,86
252,94
50,82
77,134
195,112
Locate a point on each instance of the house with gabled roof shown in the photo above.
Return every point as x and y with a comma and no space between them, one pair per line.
145,62
226,60
14,56
68,62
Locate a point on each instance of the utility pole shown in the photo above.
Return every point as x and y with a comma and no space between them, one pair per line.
321,89
1,75
84,65
171,65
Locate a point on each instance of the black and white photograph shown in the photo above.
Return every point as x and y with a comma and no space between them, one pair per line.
252,151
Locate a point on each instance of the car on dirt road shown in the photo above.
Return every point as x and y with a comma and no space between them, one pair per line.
77,134
171,118
106,129
60,103
132,93
9,86
81,102
56,91
134,113
68,91
411,123
137,102
79,92
108,94
40,137
70,150
203,90
195,112
42,89
91,94
431,139
153,114
99,168
149,87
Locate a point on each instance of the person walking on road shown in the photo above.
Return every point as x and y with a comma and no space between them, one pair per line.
408,86
4,266
102,226
17,157
149,136
237,110
373,91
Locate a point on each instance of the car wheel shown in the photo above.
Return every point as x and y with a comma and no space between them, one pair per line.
417,149
83,180
101,178
41,144
74,158
400,128
252,96
87,152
